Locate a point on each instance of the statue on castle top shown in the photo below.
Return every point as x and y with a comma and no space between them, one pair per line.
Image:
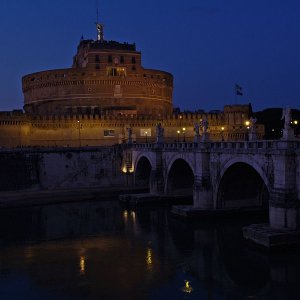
286,115
100,34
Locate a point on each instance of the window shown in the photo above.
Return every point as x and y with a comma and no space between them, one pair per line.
97,58
110,59
97,67
116,71
109,133
133,60
117,91
145,132
133,68
122,59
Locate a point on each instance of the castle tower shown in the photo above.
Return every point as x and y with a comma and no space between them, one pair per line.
106,78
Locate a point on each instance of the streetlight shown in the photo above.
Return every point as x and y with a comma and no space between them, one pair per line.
178,132
183,130
247,123
146,133
222,130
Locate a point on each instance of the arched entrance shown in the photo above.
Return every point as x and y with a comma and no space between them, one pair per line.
180,179
242,186
142,173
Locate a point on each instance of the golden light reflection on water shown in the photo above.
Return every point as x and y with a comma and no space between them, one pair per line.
125,215
130,220
149,258
133,216
187,287
82,265
129,216
29,252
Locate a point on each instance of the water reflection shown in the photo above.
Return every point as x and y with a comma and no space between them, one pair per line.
149,259
187,287
82,265
101,251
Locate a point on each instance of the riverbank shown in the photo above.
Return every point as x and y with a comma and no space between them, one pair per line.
12,199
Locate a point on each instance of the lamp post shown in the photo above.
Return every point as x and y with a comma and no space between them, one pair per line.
247,123
79,133
295,127
146,133
178,132
222,132
183,130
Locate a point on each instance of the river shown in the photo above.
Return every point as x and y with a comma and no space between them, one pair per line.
100,250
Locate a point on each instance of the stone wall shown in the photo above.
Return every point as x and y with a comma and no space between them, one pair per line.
61,168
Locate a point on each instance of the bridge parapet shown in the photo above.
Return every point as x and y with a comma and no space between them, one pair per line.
183,145
221,146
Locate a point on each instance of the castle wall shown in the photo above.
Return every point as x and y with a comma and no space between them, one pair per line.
94,130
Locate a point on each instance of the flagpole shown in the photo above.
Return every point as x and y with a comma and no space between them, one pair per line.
235,94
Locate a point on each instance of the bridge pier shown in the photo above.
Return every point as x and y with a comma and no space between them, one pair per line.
157,182
284,210
202,193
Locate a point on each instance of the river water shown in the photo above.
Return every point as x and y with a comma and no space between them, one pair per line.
99,250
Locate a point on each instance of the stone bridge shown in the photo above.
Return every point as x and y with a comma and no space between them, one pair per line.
224,175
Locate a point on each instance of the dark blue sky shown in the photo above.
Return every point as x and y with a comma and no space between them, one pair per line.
208,45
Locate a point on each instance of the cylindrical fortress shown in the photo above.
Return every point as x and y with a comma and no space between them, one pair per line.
106,78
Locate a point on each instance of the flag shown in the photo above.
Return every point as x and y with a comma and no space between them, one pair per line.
238,90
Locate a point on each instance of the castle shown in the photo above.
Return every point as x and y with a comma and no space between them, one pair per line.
105,92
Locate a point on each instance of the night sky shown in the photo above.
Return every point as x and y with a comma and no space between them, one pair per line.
208,45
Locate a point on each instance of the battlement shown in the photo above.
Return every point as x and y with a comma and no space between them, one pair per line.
113,45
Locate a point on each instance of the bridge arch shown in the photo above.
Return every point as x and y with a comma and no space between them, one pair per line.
180,178
242,183
149,155
170,161
143,168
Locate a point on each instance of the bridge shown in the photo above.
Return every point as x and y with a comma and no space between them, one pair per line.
226,175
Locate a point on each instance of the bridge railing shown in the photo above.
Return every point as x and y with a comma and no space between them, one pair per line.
247,145
261,144
169,146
